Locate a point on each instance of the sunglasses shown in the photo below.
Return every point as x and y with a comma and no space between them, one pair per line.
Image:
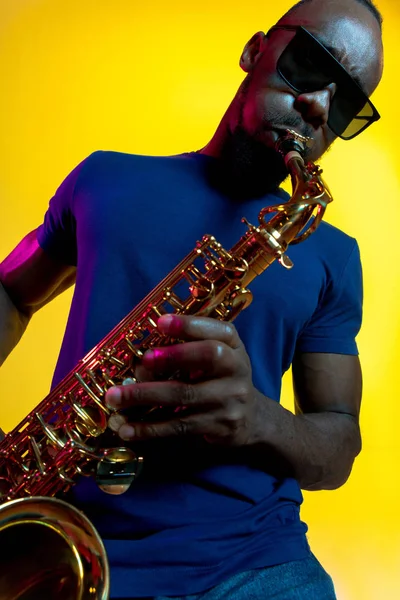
307,66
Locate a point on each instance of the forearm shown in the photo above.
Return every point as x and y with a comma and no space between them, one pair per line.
318,448
12,324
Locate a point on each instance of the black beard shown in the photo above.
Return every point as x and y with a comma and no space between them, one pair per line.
247,168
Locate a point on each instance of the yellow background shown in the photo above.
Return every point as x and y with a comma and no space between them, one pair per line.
155,77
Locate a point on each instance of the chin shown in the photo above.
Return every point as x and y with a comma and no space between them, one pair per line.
253,165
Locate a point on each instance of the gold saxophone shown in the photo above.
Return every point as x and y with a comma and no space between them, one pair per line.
64,436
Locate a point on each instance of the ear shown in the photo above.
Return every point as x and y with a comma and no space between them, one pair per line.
252,51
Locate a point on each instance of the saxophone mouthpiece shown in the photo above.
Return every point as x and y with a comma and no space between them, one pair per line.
291,144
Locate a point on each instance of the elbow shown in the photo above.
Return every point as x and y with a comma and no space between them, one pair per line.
24,312
336,472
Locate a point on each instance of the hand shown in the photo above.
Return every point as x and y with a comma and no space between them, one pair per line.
217,388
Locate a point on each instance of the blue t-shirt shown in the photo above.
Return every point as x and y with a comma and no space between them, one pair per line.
198,513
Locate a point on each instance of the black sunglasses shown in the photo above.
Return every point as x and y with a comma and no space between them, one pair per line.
306,65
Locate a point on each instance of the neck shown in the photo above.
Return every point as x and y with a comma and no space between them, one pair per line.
223,132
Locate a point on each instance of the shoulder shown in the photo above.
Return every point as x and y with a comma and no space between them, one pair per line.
339,255
101,161
338,247
108,165
332,233
112,159
334,246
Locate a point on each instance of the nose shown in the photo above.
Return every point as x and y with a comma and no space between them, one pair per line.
314,106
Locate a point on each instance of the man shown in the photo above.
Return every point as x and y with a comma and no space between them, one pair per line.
215,513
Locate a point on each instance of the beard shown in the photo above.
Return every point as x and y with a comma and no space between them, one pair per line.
249,168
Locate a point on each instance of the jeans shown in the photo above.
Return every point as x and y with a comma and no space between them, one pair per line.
303,579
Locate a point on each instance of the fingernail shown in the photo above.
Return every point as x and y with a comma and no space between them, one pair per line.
165,322
126,432
116,421
113,397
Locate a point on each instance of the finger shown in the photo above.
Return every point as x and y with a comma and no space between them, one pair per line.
186,327
142,374
207,358
204,424
168,393
116,421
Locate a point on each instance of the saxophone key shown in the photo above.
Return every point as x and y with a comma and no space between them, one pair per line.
285,261
173,300
91,393
136,351
117,470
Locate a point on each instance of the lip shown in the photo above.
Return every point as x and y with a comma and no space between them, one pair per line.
274,133
283,130
270,135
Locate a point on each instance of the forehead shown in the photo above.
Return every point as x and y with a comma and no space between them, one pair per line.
351,33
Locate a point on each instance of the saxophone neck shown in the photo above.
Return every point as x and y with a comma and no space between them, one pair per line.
307,182
294,221
292,146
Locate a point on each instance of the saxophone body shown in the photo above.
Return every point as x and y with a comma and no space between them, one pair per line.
66,436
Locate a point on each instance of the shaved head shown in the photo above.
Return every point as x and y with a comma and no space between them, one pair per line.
367,3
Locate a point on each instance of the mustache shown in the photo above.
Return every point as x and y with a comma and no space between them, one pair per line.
289,121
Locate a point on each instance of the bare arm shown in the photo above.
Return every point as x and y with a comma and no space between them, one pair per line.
29,279
319,443
323,439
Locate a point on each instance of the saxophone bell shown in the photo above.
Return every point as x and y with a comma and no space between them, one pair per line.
49,549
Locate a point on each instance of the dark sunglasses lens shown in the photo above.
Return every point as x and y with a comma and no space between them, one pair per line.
297,64
355,127
350,113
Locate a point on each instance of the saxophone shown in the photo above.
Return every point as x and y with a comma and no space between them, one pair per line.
65,436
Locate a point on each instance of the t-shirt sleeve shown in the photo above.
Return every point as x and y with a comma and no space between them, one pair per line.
334,326
57,234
